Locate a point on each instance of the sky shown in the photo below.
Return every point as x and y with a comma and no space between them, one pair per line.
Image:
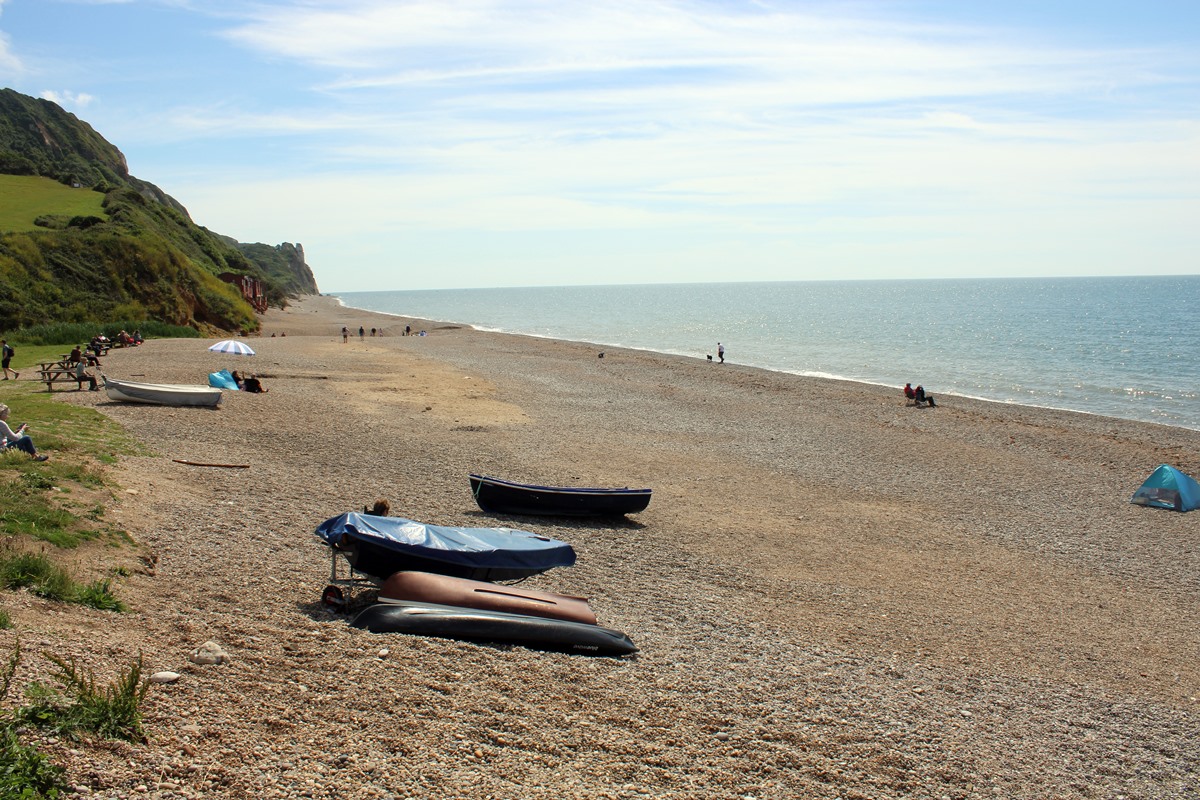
481,143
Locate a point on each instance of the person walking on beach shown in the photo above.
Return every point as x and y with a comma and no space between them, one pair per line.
6,354
361,332
407,330
345,334
721,352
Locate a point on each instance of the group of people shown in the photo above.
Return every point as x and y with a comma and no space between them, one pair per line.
19,438
918,395
80,360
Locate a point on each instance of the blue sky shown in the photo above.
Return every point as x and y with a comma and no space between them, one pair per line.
411,145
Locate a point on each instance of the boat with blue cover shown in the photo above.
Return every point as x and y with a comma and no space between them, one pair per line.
379,547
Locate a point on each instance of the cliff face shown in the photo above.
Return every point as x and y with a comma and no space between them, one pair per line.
147,256
284,264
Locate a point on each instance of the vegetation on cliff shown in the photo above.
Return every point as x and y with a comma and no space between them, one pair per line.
136,255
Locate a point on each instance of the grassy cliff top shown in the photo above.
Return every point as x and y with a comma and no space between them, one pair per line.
25,198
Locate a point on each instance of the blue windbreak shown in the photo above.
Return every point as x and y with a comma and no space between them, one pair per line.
222,380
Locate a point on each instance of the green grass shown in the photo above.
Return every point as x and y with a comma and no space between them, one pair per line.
25,774
80,706
67,334
37,573
24,198
61,428
60,502
46,579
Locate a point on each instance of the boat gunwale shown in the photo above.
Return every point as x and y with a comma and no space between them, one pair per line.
598,491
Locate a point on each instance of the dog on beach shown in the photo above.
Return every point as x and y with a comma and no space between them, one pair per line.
381,508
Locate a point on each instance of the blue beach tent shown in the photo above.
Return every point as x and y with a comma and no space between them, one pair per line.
1167,487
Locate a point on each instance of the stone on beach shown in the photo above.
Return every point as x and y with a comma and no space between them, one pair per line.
209,653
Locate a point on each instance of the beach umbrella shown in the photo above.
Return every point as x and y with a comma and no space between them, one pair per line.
232,347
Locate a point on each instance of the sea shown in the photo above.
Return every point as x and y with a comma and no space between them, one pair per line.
1124,347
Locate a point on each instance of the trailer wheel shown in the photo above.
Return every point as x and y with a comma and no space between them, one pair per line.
332,597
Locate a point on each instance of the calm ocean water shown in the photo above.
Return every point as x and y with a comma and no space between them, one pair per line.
1119,347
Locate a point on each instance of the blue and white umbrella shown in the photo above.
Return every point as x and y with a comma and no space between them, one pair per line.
233,347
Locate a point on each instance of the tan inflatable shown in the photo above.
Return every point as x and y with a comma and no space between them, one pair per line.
426,587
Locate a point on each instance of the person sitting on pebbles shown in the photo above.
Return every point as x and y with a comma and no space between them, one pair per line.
18,438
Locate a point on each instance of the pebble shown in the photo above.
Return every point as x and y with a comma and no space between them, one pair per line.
209,653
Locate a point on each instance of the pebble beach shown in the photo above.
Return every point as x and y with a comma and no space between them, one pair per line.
834,595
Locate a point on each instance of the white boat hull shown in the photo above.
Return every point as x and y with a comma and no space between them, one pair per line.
163,394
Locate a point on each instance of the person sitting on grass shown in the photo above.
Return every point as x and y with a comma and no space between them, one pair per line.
18,438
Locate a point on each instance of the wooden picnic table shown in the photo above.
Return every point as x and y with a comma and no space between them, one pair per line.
51,372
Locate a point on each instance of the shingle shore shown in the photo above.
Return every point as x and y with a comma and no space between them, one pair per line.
835,595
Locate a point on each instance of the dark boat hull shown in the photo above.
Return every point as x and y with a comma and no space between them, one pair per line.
450,622
423,587
497,496
381,562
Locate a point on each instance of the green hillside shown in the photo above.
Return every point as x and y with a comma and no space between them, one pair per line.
25,199
116,247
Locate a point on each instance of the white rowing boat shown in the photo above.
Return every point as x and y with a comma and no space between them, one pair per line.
163,394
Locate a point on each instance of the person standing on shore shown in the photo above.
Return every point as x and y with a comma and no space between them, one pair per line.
6,354
721,352
345,334
361,332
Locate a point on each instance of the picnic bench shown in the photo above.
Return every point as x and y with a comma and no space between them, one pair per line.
52,372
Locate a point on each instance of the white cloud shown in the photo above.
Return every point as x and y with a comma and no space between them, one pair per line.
777,133
67,99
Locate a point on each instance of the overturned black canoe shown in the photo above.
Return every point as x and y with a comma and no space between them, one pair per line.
472,624
497,496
